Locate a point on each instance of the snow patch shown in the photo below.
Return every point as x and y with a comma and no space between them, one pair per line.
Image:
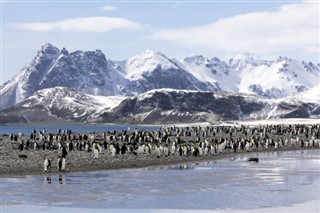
147,62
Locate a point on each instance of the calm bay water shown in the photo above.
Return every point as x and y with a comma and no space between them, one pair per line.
279,179
27,129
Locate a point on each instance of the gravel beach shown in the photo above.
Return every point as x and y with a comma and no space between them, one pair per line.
29,161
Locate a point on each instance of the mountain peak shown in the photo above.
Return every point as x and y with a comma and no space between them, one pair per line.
240,61
48,46
148,61
197,59
149,56
96,54
283,58
64,51
149,51
245,56
49,49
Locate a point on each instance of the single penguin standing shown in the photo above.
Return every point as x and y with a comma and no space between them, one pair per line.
96,153
64,152
63,164
63,158
47,165
21,146
59,163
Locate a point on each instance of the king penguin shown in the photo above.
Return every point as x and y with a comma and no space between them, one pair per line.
60,163
47,165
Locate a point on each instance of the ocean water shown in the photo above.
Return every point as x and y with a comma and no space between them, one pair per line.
280,179
27,129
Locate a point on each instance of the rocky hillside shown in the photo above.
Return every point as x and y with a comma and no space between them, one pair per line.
160,106
90,72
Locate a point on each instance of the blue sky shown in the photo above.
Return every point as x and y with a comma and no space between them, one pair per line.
178,29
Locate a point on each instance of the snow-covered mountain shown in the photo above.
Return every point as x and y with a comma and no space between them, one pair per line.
211,71
91,73
159,106
309,96
274,79
60,103
153,70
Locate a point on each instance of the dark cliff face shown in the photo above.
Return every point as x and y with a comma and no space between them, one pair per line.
154,107
27,81
89,72
177,106
301,110
174,79
39,68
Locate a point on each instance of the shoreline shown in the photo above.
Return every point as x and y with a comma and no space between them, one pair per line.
122,163
24,154
102,187
248,123
309,206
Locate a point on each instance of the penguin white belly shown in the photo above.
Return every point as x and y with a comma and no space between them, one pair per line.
247,147
45,165
96,153
63,164
200,151
157,152
113,152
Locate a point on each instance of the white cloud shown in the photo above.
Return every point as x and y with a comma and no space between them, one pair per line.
83,24
292,27
108,8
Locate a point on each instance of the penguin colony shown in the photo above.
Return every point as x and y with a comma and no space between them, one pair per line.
171,141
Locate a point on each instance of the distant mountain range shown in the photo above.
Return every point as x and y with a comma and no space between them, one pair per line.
160,106
153,88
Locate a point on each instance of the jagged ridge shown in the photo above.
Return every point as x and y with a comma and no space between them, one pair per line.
92,73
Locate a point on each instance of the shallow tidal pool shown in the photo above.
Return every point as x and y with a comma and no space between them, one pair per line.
279,179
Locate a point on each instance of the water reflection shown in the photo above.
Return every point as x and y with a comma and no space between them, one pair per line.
186,166
47,179
172,167
230,183
60,179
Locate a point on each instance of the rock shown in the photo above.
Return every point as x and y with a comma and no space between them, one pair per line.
23,156
254,159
